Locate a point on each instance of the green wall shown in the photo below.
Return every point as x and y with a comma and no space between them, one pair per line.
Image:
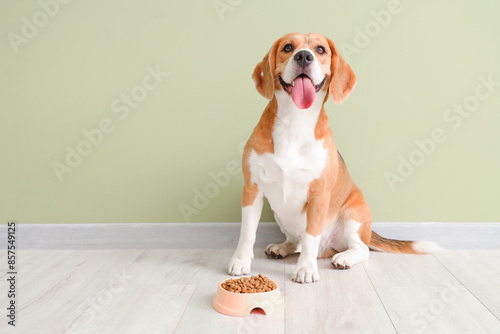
158,140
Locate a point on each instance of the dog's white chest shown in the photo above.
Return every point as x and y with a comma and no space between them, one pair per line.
284,176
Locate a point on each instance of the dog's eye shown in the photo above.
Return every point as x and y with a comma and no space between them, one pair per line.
288,47
320,49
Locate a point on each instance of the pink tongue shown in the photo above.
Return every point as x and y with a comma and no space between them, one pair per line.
303,92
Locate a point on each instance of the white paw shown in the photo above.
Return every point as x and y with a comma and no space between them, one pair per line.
279,251
306,275
238,267
344,260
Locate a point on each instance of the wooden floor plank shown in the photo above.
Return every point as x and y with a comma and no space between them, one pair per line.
406,270
422,296
55,295
176,266
479,272
171,291
138,308
343,301
440,310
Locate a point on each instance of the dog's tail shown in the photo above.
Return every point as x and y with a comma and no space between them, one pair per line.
381,244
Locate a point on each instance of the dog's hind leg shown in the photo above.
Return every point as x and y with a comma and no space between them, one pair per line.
355,250
290,246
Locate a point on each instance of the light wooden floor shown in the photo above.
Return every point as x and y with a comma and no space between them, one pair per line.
171,290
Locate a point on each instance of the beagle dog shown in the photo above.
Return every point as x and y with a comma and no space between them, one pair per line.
292,160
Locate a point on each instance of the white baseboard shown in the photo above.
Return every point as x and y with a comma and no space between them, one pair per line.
225,235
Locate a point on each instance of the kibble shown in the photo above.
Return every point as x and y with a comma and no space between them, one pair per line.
254,284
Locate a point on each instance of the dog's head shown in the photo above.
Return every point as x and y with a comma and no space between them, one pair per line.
301,66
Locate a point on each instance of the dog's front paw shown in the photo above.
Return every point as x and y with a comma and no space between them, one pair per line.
238,267
306,275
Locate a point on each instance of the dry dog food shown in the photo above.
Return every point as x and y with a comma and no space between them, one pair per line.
254,284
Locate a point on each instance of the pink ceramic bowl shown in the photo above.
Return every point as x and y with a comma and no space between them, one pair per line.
241,304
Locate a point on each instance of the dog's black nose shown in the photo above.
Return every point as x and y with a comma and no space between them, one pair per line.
303,58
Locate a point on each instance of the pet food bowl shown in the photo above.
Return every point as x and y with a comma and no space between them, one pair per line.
242,304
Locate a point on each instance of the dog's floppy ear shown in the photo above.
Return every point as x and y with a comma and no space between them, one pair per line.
263,75
343,78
